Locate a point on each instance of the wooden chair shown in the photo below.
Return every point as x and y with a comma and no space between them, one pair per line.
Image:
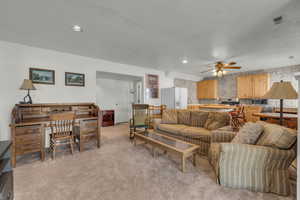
155,112
86,131
238,118
140,118
61,125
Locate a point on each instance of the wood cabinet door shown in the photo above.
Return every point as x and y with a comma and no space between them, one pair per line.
212,89
260,85
207,89
201,90
244,87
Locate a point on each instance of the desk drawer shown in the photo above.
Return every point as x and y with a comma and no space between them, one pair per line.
28,148
28,139
25,130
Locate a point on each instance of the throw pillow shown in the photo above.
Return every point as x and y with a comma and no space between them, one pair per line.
277,136
217,120
184,117
248,134
198,118
169,117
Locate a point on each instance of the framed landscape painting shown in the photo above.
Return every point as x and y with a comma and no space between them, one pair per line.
74,79
153,85
42,76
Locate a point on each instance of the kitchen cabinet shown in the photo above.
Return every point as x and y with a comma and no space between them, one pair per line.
252,86
207,89
244,86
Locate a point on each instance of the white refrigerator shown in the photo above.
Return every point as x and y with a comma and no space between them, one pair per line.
174,98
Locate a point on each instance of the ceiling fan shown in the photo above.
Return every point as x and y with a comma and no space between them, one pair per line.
220,67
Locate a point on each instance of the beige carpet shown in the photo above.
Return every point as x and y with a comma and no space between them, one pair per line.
120,171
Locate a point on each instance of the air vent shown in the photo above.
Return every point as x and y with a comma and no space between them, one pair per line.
277,20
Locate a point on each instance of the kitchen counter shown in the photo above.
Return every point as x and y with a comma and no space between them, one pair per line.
212,107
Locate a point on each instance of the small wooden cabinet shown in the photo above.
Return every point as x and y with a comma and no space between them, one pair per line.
207,89
252,86
108,118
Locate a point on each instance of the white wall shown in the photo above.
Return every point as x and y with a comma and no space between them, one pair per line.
16,59
115,95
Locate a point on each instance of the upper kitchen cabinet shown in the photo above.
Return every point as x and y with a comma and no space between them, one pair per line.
253,86
245,87
207,89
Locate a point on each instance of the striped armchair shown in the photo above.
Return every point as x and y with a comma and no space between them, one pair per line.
253,167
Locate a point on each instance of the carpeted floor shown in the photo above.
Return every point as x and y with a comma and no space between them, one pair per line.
120,171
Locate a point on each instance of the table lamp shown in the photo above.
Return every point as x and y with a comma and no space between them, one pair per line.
281,90
27,85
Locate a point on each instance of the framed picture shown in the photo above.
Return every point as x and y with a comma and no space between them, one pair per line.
74,79
153,85
42,76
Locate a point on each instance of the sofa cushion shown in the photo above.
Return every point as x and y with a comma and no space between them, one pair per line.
198,118
172,128
277,136
184,117
196,132
217,120
249,133
169,116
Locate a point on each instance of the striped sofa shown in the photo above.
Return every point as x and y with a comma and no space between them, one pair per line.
256,167
197,127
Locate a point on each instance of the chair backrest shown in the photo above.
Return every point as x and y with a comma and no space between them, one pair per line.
140,114
61,124
156,111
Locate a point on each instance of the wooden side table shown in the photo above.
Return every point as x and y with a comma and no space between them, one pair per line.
108,118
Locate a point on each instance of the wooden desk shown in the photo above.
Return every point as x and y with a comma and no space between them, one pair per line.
289,120
30,120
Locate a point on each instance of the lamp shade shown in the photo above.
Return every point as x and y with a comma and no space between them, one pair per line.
27,85
281,90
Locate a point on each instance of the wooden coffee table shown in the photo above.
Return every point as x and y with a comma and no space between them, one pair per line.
179,147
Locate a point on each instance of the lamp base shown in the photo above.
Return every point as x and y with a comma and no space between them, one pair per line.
281,112
27,99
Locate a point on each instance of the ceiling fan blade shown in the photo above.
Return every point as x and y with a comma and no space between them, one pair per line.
231,63
232,67
211,70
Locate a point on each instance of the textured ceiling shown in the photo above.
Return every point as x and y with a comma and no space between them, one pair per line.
160,33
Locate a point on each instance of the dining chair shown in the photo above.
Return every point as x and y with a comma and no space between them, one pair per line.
61,125
238,118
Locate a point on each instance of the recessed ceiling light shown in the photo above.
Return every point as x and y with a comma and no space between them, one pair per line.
77,28
184,61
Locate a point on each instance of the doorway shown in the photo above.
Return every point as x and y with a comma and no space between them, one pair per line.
118,92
